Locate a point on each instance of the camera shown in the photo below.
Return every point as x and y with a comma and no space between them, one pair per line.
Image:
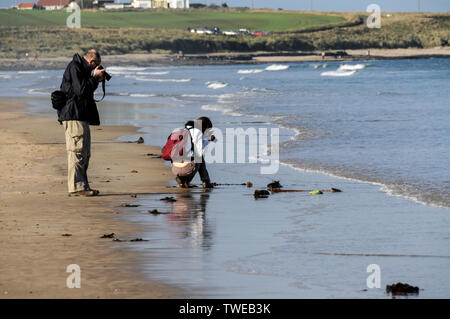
106,74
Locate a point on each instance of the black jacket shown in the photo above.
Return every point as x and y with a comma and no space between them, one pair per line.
79,86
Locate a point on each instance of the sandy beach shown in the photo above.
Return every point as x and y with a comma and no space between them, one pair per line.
226,58
355,55
42,230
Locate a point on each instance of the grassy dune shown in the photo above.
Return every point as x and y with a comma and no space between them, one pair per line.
165,31
401,30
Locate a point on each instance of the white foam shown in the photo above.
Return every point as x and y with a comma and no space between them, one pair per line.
29,72
35,91
317,66
215,85
124,69
120,72
297,132
391,192
220,108
263,90
351,67
338,73
383,187
252,71
223,98
216,108
198,95
152,73
5,76
142,95
261,160
140,78
277,67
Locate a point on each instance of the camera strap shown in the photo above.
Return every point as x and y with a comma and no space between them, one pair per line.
104,92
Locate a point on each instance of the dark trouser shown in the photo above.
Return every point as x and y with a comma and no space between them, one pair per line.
200,168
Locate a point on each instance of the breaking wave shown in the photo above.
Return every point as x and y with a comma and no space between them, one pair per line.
252,71
277,67
338,73
351,67
215,85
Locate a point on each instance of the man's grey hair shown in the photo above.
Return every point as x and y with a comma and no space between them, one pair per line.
92,54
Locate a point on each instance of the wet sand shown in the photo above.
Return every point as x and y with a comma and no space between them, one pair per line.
356,55
225,58
35,212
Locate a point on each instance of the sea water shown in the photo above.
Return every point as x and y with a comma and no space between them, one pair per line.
384,123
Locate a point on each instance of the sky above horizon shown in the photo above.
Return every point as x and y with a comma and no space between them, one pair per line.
318,5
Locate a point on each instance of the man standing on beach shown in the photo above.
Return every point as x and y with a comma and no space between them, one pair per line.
80,80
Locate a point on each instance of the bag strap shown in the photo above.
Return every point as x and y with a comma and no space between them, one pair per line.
104,92
192,143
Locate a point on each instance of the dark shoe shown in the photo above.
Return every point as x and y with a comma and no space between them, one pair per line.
207,185
180,183
86,193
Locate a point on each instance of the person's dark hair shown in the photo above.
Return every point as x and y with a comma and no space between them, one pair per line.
206,123
92,54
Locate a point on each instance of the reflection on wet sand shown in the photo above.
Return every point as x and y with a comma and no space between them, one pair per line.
189,217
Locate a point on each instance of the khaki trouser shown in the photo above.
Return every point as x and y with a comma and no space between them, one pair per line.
187,171
78,145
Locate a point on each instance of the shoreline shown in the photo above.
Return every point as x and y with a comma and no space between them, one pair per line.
306,218
232,58
43,230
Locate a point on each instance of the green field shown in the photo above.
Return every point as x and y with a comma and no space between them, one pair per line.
174,19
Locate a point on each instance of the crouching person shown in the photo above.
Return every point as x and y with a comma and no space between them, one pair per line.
185,147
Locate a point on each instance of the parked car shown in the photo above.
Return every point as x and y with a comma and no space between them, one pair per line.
206,31
261,33
230,33
245,32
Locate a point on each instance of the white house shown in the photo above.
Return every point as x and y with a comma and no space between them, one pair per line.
143,4
53,4
149,4
178,4
114,6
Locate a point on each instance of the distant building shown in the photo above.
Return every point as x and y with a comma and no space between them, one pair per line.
114,6
154,4
178,4
102,3
27,6
53,4
142,4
